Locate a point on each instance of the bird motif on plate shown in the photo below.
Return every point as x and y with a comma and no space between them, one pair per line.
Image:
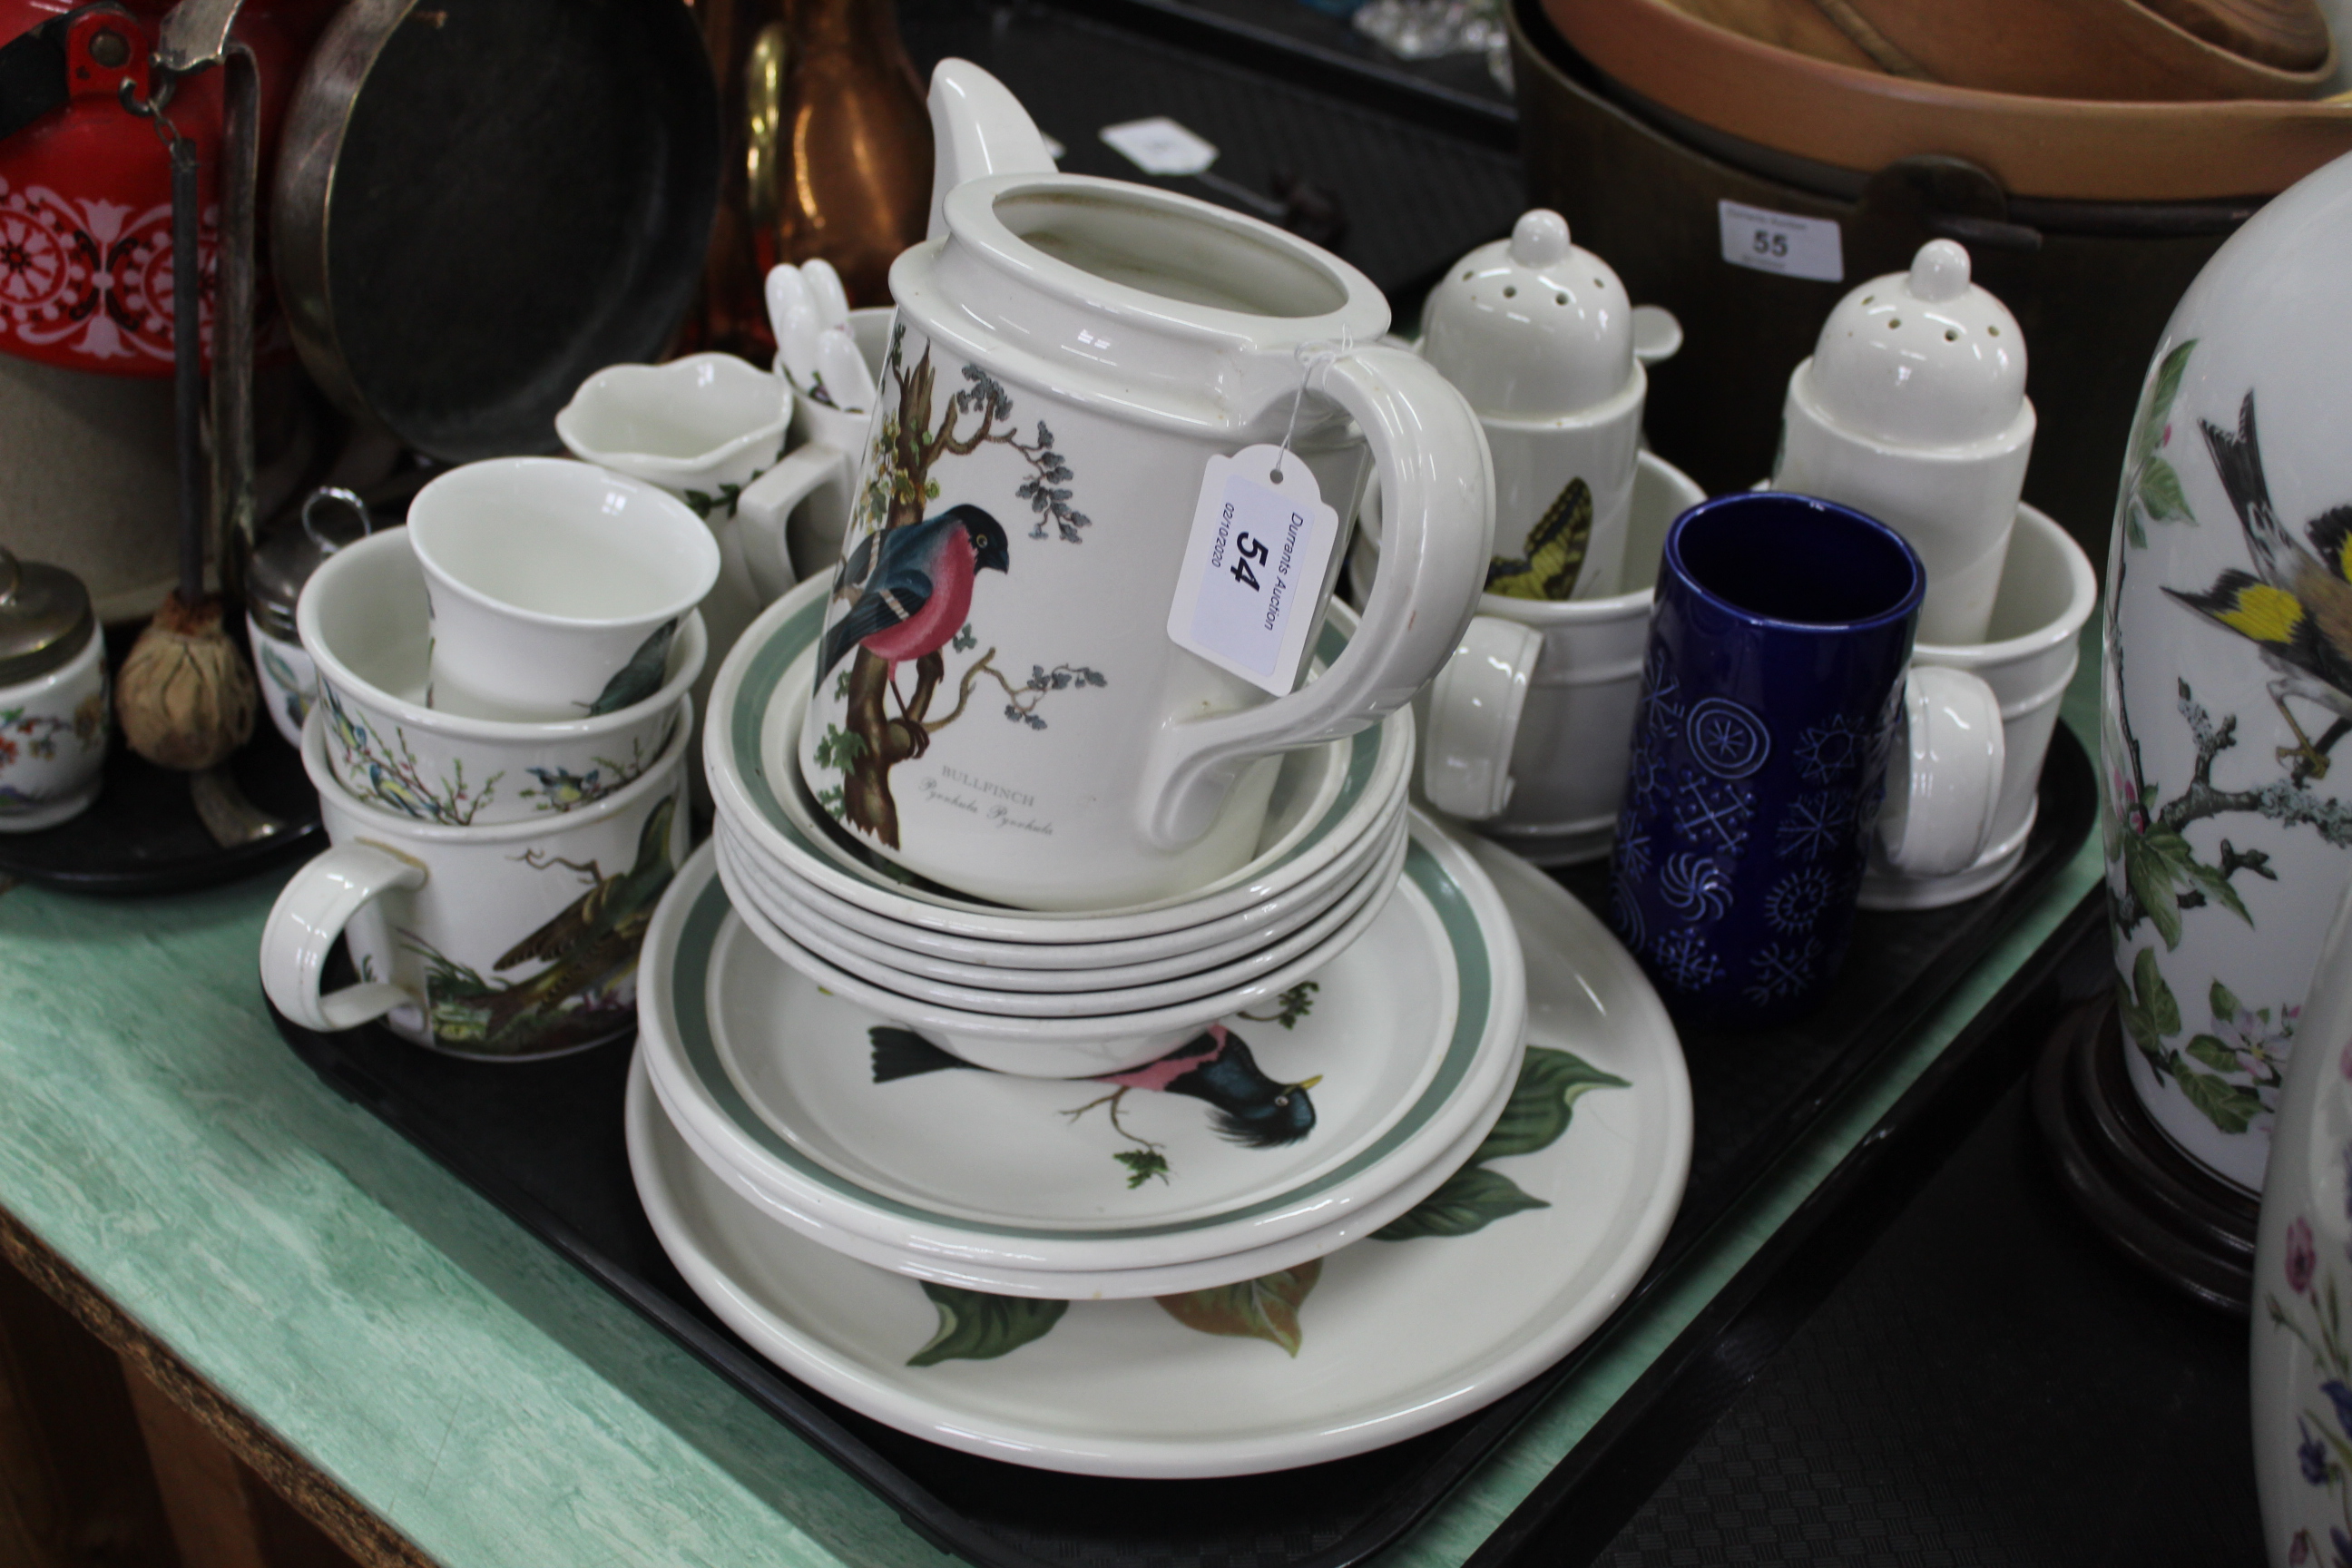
2295,606
1248,1106
909,589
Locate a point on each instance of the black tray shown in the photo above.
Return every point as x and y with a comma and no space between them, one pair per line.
1935,1359
543,1141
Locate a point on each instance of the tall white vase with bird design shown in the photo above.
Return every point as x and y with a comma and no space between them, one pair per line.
2227,694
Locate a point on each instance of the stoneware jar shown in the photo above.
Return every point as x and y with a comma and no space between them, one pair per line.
1537,334
53,696
1069,356
1912,408
2228,676
2301,1362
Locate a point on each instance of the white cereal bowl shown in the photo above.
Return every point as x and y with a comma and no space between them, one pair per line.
362,620
1090,1045
1068,966
1211,942
1015,993
749,752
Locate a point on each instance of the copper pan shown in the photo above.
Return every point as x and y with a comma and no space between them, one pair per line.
1858,120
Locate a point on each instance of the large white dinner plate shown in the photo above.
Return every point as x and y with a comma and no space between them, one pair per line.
1406,1043
1390,1338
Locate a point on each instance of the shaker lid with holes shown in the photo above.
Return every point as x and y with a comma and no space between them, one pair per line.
1532,327
331,518
1922,358
45,618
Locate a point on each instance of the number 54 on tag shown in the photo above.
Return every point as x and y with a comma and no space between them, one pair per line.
1253,566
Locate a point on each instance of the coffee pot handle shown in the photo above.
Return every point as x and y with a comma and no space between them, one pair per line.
1437,489
310,914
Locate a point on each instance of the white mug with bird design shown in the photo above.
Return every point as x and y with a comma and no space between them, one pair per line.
999,704
512,941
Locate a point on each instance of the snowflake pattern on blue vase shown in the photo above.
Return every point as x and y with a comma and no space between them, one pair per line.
1713,812
1797,900
1625,918
1814,826
1782,969
1662,713
1687,961
1696,888
1827,753
1728,741
1647,779
1634,846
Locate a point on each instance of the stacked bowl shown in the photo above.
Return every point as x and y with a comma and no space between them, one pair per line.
812,1002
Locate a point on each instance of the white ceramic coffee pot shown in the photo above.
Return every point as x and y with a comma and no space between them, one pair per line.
1912,408
1073,360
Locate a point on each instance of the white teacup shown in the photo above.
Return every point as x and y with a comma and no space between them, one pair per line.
363,621
554,589
512,942
2048,590
1528,729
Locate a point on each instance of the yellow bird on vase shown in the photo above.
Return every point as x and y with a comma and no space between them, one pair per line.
2295,606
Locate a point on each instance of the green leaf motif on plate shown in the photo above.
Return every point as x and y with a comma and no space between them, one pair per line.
977,1326
1265,1309
1471,1199
1550,1083
2210,1051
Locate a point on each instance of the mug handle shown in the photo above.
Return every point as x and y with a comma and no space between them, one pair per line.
1437,500
1475,706
1940,818
307,919
765,505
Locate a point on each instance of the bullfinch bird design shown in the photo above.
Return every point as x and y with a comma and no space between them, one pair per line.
1215,1066
2295,606
911,587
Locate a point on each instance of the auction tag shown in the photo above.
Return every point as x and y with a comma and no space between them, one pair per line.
1255,565
1161,146
1784,243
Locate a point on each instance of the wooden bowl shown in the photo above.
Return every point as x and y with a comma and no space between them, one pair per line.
1862,119
2118,49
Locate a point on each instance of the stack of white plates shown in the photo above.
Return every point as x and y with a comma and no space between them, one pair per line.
1326,1058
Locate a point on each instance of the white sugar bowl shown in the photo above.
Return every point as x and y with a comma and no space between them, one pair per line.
1913,409
1539,335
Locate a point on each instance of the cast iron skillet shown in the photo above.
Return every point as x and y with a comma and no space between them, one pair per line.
478,203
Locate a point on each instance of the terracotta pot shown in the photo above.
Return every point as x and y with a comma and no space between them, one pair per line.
1852,118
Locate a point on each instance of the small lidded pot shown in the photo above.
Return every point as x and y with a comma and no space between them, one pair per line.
1538,334
53,698
331,518
1913,409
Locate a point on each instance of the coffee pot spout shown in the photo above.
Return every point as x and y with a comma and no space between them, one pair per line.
977,128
